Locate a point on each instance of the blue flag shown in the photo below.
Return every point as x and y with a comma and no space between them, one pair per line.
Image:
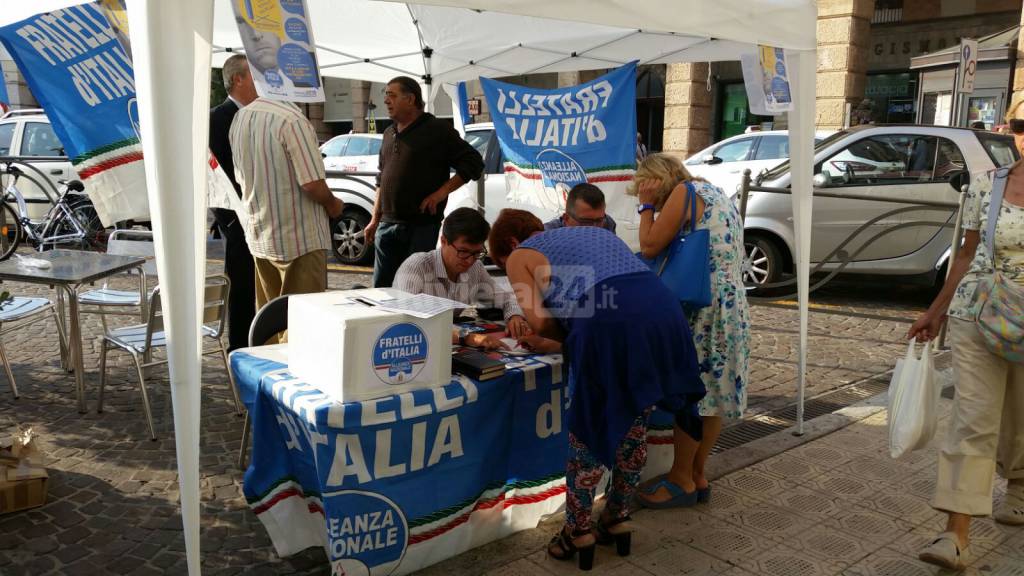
555,139
4,98
80,73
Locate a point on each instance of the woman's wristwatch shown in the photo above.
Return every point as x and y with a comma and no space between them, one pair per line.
644,207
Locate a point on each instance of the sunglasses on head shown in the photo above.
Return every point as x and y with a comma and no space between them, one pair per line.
1017,126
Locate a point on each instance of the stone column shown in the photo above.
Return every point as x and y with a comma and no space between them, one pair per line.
687,109
17,89
360,90
844,32
566,79
1018,74
315,113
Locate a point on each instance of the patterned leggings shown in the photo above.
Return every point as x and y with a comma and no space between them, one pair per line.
583,472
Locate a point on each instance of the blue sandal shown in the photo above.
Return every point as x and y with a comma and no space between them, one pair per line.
679,498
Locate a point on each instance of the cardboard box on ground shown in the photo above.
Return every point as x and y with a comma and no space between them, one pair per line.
22,483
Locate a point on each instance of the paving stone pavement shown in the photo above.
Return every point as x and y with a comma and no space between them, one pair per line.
112,503
838,505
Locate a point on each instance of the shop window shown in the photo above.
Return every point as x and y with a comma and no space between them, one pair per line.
888,12
937,108
982,112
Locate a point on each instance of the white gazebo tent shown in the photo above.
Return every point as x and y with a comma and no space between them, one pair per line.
172,44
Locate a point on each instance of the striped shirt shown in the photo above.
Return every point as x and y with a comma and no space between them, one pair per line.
424,273
275,152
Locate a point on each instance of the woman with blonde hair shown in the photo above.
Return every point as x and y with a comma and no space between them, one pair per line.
721,331
986,428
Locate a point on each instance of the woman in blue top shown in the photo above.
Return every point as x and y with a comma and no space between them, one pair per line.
627,347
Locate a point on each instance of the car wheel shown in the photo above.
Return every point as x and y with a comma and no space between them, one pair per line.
762,264
347,240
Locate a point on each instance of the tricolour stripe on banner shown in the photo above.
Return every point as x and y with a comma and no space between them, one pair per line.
443,521
126,143
281,490
438,523
85,173
601,174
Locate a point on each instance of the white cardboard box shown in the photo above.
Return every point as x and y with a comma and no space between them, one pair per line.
354,352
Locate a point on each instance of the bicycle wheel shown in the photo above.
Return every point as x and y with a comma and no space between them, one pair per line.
10,231
95,235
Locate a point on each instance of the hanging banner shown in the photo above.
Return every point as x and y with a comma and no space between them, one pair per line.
555,139
82,77
5,100
766,78
968,65
279,44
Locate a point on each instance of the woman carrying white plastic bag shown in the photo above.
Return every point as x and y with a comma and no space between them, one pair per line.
913,402
987,423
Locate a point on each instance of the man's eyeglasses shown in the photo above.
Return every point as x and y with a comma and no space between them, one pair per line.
596,222
470,254
1017,126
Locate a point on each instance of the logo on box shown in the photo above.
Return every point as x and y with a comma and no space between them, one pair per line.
400,353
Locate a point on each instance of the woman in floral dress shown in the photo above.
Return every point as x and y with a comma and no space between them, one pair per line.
721,331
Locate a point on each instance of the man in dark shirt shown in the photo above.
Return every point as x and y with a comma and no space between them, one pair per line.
416,159
238,262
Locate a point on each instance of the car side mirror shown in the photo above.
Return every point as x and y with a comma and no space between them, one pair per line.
958,179
711,160
821,180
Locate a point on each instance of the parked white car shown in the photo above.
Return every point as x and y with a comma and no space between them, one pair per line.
27,134
352,152
723,163
883,169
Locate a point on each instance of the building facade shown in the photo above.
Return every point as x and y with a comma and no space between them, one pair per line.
881,61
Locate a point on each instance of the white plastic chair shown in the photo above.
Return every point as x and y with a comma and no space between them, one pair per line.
106,300
31,310
141,339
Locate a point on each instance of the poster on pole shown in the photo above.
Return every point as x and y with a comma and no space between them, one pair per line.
278,42
968,65
82,76
554,139
766,79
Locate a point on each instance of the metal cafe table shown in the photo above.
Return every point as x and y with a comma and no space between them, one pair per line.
69,271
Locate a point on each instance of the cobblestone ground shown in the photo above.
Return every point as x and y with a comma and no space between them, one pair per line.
112,503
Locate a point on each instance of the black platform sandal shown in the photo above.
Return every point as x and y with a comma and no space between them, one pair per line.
567,550
618,531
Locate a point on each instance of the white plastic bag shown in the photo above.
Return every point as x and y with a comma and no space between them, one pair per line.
913,402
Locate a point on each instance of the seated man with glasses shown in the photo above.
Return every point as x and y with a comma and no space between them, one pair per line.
584,206
455,271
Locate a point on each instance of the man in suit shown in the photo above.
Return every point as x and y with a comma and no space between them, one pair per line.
238,262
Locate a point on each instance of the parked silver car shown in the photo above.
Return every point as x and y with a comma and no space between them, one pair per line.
888,162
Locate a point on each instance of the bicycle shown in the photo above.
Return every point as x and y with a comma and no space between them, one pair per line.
71,221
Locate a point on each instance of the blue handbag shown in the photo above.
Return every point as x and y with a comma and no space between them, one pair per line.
685,264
